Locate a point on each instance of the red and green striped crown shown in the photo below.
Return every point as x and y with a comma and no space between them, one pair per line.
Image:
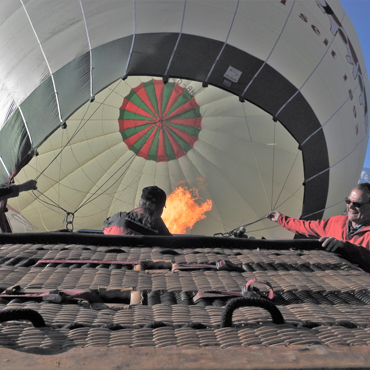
158,121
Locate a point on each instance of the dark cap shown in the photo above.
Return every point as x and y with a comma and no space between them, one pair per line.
155,195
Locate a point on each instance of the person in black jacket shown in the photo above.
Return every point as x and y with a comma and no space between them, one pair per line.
144,220
12,191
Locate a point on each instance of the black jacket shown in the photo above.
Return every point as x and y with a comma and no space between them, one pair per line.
131,223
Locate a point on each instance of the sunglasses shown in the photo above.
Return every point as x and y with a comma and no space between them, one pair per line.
355,204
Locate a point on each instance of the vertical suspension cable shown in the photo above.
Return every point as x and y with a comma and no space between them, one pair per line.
225,43
6,170
322,210
273,166
22,222
327,169
69,139
38,200
341,160
286,180
60,173
92,197
79,127
177,41
255,158
321,127
90,50
268,57
307,79
20,111
133,37
46,61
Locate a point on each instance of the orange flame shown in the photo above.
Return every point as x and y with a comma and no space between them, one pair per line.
183,209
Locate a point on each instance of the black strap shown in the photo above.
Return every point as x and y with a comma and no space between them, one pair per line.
128,223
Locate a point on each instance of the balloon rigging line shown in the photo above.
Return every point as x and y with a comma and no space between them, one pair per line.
273,48
79,127
105,192
250,223
24,226
225,43
273,166
90,51
330,167
40,214
262,218
89,200
310,214
177,41
46,61
290,196
48,204
255,158
265,228
19,109
230,233
56,205
133,37
2,162
309,76
61,150
322,210
60,168
321,127
286,179
77,130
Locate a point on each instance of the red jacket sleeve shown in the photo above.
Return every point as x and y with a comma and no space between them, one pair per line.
311,229
334,227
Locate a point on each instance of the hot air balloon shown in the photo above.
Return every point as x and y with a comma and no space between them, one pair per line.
256,105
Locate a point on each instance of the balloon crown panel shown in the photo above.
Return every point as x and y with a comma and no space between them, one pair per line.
158,121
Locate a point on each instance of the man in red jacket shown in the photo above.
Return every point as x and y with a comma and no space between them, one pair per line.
348,234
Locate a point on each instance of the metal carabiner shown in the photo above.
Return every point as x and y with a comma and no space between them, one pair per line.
69,220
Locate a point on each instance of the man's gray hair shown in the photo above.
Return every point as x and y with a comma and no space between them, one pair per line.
365,187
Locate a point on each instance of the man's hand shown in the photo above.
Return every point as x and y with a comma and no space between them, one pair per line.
331,244
274,215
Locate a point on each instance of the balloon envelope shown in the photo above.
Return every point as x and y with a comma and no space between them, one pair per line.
233,153
184,123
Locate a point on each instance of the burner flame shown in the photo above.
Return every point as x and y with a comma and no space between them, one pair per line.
184,208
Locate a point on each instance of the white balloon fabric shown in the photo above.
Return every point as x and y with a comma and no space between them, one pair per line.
266,107
141,131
